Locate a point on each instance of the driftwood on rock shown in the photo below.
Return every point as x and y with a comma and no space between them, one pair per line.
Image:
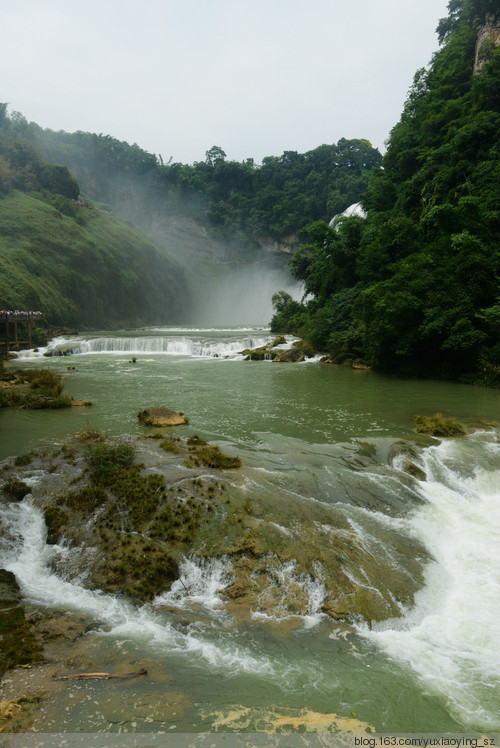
78,676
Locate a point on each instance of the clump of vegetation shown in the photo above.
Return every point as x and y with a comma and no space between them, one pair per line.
438,425
45,390
87,499
43,402
140,494
21,460
170,445
203,453
212,457
106,461
44,379
16,489
143,570
196,441
56,520
90,434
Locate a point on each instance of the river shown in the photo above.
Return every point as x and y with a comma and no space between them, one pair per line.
310,435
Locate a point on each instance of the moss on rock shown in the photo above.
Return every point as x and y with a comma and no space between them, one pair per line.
438,425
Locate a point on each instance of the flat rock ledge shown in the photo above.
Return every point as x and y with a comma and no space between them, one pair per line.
160,417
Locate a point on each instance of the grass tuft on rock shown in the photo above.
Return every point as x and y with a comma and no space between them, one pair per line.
212,457
16,489
91,434
438,425
106,461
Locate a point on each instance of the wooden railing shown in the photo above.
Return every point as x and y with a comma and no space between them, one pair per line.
13,323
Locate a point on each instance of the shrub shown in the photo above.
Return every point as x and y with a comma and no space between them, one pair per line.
212,457
56,520
196,441
45,379
23,460
438,425
169,445
16,489
105,461
87,499
39,402
90,434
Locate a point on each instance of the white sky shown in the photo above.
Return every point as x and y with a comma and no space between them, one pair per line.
255,77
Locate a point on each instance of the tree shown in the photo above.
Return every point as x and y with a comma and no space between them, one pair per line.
214,155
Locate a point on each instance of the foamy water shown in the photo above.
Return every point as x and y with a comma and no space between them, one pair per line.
173,345
450,639
26,554
200,582
290,594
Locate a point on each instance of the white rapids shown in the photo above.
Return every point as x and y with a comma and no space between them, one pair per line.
25,553
450,639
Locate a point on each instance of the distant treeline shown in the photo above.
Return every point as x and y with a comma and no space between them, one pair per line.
415,288
274,199
21,165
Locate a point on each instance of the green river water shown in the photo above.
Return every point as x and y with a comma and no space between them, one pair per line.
316,433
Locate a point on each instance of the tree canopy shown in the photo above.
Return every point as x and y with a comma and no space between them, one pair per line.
418,280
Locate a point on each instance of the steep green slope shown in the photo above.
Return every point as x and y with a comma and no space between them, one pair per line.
415,288
83,267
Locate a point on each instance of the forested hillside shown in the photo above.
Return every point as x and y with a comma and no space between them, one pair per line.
70,259
244,203
414,288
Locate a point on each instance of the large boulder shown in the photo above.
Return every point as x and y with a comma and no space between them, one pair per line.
160,417
291,355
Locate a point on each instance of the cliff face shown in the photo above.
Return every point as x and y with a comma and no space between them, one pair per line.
488,39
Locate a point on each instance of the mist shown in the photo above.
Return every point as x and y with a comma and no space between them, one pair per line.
216,280
243,297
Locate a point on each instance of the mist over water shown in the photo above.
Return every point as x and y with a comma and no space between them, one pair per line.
243,296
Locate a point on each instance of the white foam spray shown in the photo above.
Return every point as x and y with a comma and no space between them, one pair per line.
151,344
200,582
450,639
290,594
25,553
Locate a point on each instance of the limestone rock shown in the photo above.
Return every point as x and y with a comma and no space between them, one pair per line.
160,417
10,594
291,355
17,643
358,363
279,340
64,626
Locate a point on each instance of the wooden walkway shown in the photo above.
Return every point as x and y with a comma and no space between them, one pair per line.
15,329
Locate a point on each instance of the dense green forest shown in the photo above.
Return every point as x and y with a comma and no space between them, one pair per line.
414,288
71,259
242,202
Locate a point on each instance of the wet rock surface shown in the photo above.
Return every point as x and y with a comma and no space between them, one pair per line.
130,513
161,417
18,645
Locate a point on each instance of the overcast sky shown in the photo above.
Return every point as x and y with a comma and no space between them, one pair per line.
256,77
